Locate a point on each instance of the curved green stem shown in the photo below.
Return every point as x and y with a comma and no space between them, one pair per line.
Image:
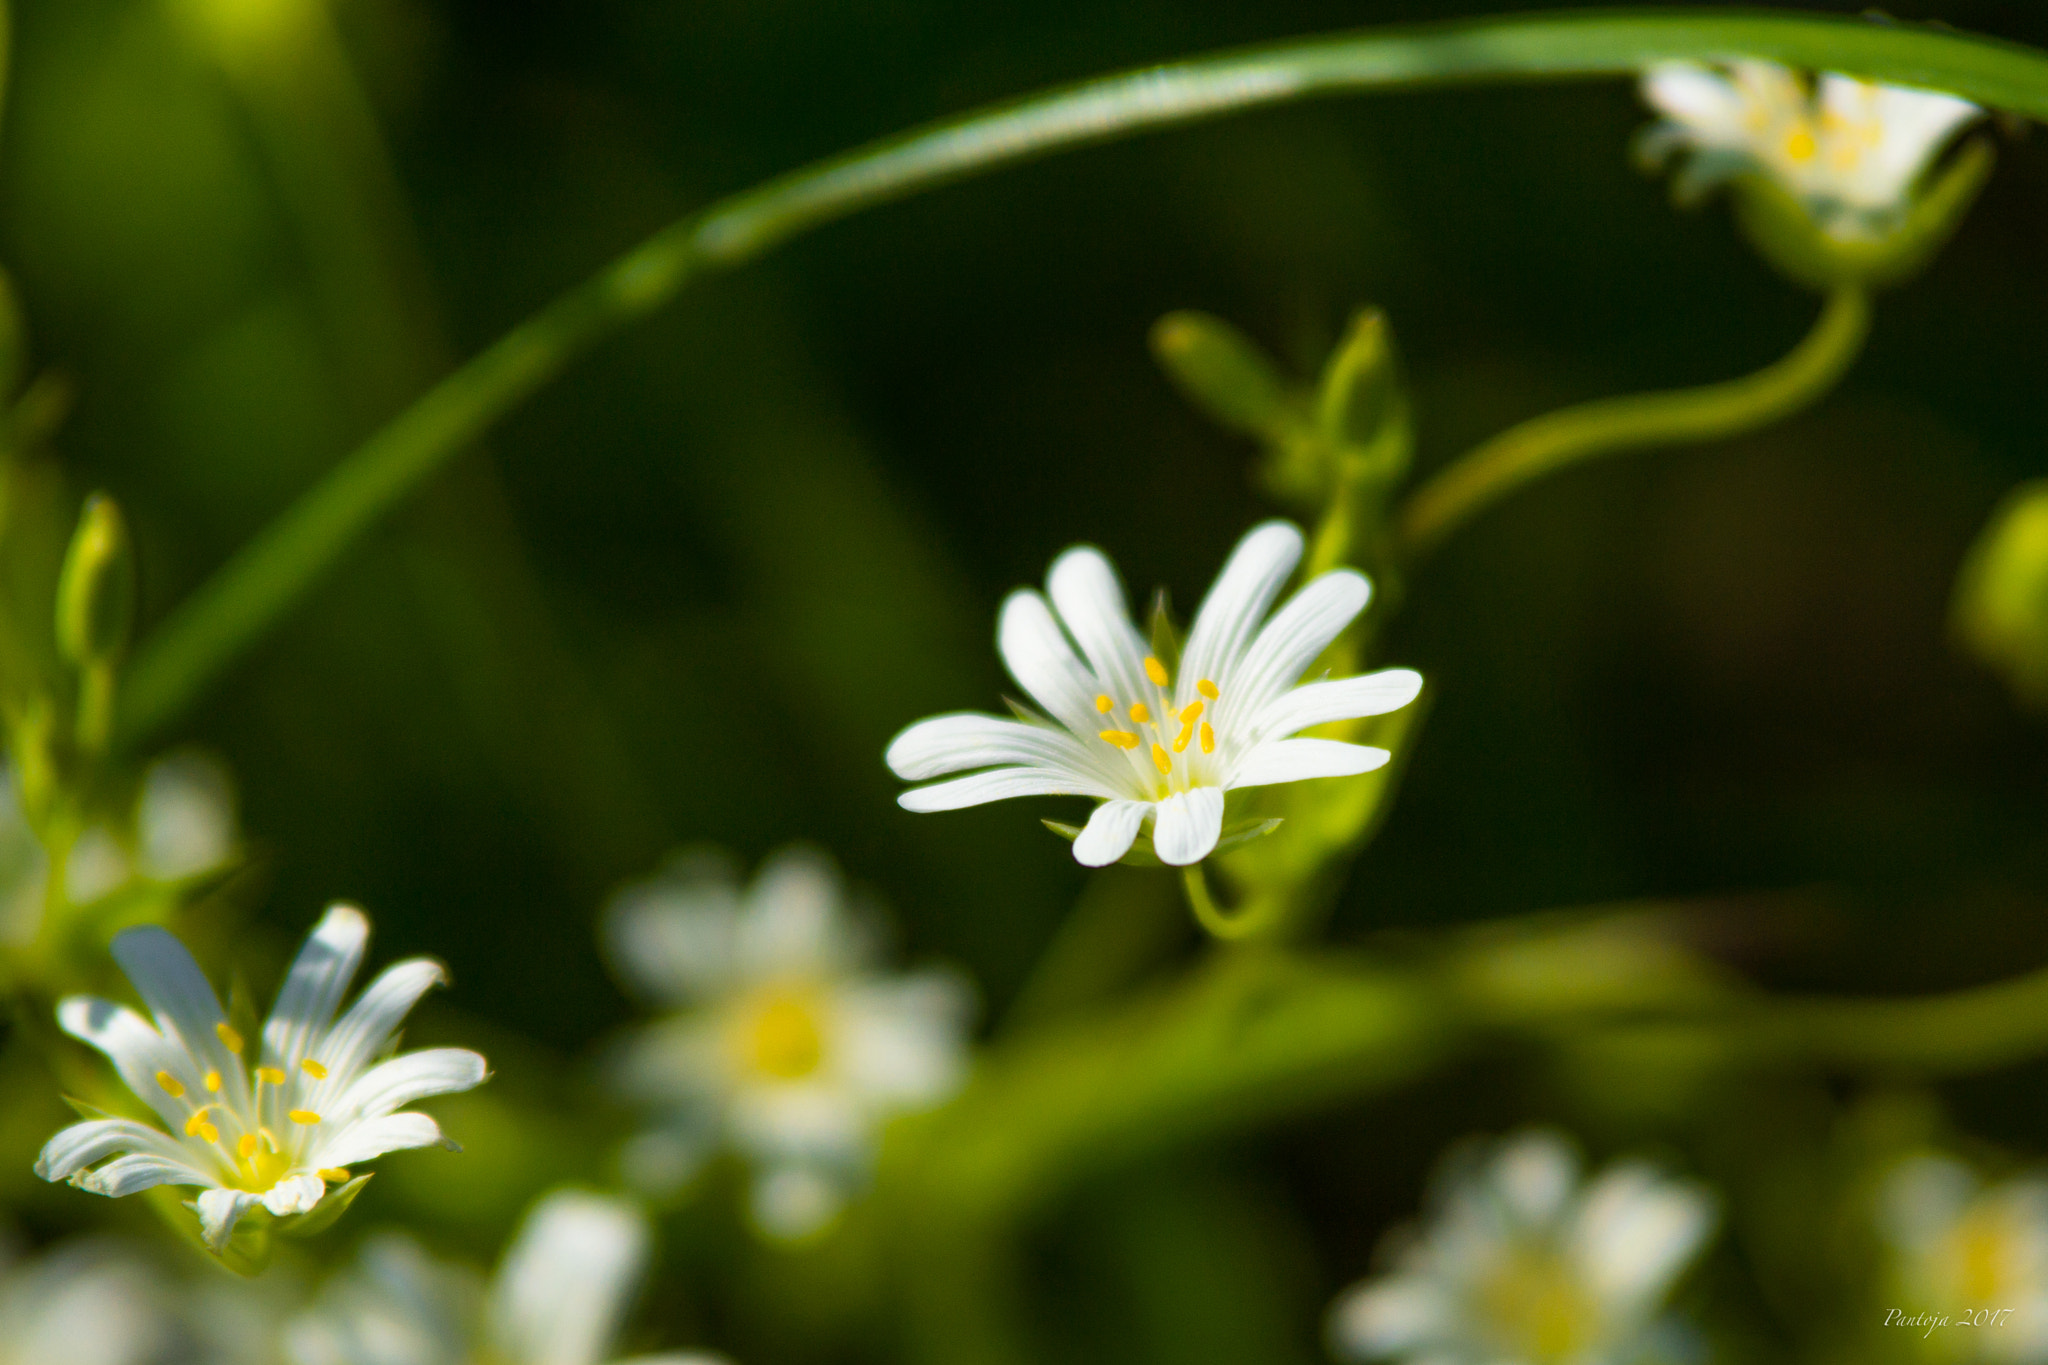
1247,921
1609,426
261,582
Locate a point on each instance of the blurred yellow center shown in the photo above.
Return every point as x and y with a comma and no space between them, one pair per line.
781,1036
260,1166
1538,1307
1982,1246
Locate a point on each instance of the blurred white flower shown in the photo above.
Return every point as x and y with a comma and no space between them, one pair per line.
1852,151
278,1133
1525,1263
1125,732
1960,1245
557,1299
784,1042
185,818
85,1303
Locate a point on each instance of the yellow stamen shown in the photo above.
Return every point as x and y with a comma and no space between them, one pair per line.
335,1175
213,1082
1123,739
1191,713
1206,688
173,1087
1141,713
313,1069
1180,743
305,1116
196,1122
783,1040
1208,739
209,1132
1104,704
1162,760
229,1039
1155,670
245,1146
1800,144
269,1075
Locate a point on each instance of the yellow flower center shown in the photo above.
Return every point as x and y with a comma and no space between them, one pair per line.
1537,1307
258,1160
1171,732
781,1036
1983,1251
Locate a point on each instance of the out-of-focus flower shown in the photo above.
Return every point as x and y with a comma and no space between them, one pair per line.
276,1134
85,1303
1151,749
557,1299
1961,1246
1850,151
1525,1263
785,1043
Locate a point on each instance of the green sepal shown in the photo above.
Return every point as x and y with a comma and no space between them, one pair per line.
1141,854
1785,233
96,590
324,1214
1163,637
1225,374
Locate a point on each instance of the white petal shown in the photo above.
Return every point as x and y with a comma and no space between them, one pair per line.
405,1078
134,1174
219,1211
792,922
791,1202
81,1144
1291,641
176,991
1636,1232
1001,784
967,739
185,821
1110,832
1710,108
1533,1174
1297,760
672,936
1389,1317
1090,602
313,989
563,1287
1039,657
1922,1198
1243,593
1319,703
367,1138
137,1051
903,1040
294,1194
1187,825
369,1023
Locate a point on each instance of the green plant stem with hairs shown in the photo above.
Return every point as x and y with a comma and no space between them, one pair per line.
261,582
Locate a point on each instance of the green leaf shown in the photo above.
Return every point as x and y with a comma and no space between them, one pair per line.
323,1215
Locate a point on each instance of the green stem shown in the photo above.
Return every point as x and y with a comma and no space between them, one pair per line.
1610,426
261,582
1246,922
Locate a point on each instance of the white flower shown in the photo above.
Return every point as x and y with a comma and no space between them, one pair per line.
1961,1246
84,1303
316,1102
1851,150
557,1299
1125,732
785,1043
1523,1264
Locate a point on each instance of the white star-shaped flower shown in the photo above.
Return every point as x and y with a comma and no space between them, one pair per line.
1525,1264
1961,1246
1851,150
557,1299
1150,747
316,1102
783,1040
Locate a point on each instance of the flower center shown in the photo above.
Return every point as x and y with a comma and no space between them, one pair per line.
1983,1250
252,1152
781,1036
1148,729
1537,1306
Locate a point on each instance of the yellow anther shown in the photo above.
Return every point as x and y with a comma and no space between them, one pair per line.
197,1122
1206,688
1800,144
335,1175
209,1132
1104,704
1123,739
270,1075
1191,713
1208,739
229,1039
245,1146
1162,760
305,1116
1180,743
173,1087
313,1069
1141,713
213,1082
1155,670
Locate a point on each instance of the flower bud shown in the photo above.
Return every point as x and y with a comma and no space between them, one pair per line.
96,592
2000,610
1224,373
